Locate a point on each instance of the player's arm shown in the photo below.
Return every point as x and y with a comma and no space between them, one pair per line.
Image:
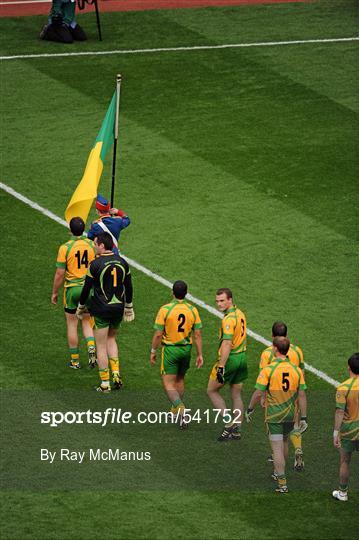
338,420
256,397
159,327
86,290
259,392
81,308
128,314
340,404
227,327
197,336
156,341
59,273
118,212
302,402
128,287
58,281
224,350
125,220
301,359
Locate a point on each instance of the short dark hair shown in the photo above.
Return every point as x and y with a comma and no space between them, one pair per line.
282,344
353,363
279,328
225,291
179,289
106,239
77,226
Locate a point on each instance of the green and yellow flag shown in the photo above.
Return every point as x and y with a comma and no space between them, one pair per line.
82,199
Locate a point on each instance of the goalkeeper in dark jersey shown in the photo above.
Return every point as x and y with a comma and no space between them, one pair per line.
109,281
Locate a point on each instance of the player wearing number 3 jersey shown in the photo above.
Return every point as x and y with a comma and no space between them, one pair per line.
109,280
73,260
175,323
231,366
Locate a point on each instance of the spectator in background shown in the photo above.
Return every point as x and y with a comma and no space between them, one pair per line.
62,26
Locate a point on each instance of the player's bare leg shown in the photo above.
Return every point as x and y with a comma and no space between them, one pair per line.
233,429
73,339
237,402
87,332
279,448
285,449
218,403
213,393
180,385
101,335
170,386
296,440
113,356
345,459
173,391
180,389
342,493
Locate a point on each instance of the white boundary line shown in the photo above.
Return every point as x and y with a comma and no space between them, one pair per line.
176,49
161,280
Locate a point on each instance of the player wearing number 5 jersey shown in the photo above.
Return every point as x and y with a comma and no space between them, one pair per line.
283,384
295,355
73,260
231,366
175,324
109,279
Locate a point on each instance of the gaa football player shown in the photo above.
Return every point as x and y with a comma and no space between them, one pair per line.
175,324
295,355
346,424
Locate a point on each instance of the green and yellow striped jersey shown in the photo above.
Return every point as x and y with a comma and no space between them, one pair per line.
347,398
281,380
234,328
295,355
177,320
75,256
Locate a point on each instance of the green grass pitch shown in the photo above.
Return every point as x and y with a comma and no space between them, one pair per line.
238,168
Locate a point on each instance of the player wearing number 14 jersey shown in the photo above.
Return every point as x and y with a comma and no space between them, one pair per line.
174,325
73,260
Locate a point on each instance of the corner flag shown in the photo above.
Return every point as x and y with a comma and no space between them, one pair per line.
86,191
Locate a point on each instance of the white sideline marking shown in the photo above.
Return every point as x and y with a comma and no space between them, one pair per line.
175,49
160,279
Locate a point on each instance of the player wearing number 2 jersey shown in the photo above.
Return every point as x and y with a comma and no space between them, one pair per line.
73,260
175,323
231,365
109,278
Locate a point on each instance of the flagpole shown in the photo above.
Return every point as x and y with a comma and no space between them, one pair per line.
118,90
